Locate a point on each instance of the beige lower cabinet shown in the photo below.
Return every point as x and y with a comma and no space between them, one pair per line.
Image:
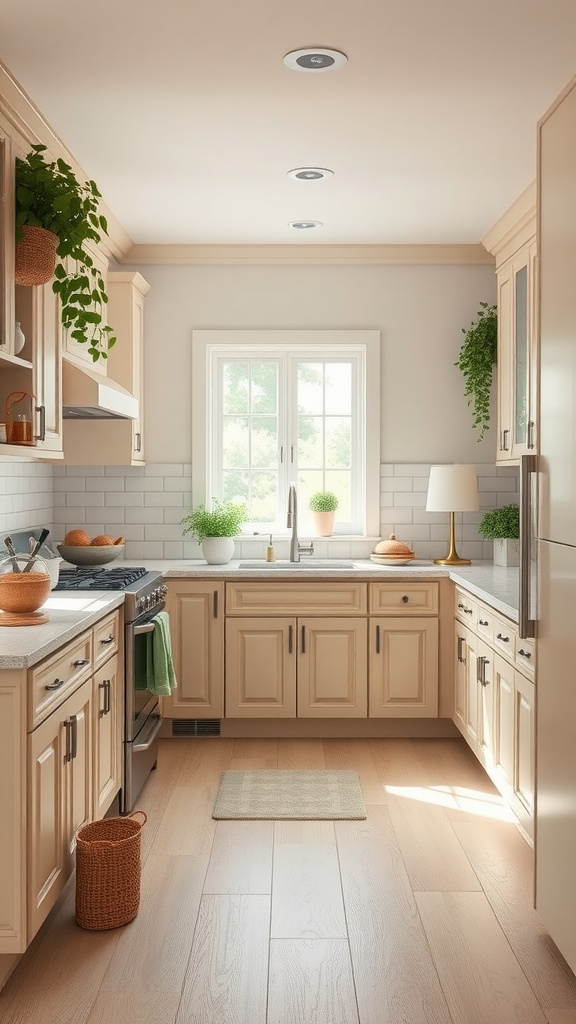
403,658
60,762
196,610
59,800
403,668
107,724
332,668
494,702
260,668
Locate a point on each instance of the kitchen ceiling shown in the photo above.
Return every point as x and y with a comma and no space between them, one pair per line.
188,119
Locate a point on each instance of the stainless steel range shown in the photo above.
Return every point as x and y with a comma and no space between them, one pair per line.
143,599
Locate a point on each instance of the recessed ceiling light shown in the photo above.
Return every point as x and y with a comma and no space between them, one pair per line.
305,225
315,58
309,173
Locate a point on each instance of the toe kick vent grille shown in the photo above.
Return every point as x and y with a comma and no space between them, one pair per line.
196,727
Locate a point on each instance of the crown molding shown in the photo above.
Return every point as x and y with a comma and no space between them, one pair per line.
28,120
514,228
333,255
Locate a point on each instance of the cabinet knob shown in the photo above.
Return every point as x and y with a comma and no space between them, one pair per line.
405,598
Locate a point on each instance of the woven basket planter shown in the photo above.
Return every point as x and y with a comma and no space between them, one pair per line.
35,258
108,872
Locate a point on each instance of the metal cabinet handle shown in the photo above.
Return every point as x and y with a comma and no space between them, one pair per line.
377,639
42,435
106,686
102,711
460,640
55,685
530,443
137,442
68,727
483,680
505,639
303,639
108,695
460,605
405,598
483,622
525,654
504,445
215,604
81,661
290,639
108,640
74,750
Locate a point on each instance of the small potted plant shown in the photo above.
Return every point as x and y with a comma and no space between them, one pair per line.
214,528
53,207
323,505
502,525
476,360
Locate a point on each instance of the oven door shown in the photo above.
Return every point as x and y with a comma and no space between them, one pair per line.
140,703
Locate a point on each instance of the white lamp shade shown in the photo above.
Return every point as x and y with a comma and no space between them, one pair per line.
452,489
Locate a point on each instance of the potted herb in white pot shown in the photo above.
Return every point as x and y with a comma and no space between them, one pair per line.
214,528
502,525
323,505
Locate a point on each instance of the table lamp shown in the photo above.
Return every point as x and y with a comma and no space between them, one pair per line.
452,489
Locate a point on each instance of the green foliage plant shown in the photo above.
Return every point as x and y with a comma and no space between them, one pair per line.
502,522
476,360
222,519
323,501
48,195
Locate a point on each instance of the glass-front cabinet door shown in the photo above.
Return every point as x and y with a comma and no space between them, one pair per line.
517,356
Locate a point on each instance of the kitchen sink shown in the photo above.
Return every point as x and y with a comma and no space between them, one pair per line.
306,563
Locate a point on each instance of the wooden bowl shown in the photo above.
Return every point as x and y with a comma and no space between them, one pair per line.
88,554
23,591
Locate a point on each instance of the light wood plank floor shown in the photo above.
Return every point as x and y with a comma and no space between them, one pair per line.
422,914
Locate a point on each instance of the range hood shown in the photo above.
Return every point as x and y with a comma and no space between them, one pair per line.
87,394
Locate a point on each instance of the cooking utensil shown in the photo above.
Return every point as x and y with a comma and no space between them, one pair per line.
12,552
43,535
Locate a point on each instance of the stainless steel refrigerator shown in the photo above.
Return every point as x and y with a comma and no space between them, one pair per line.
555,840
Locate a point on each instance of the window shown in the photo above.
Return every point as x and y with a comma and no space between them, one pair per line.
283,406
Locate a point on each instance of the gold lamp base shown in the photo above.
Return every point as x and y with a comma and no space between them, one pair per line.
452,558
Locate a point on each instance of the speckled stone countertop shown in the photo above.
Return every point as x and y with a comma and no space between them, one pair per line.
70,614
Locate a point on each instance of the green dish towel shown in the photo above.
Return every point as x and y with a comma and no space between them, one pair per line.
160,676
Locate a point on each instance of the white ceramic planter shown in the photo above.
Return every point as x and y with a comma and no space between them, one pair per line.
218,550
506,552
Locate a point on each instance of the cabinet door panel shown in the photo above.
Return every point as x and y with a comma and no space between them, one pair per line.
260,668
460,677
404,668
197,634
332,668
504,724
472,711
524,723
107,736
78,774
47,861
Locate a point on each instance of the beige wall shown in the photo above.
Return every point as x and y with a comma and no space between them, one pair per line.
419,310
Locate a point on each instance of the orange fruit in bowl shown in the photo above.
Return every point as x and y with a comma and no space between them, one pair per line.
102,540
76,538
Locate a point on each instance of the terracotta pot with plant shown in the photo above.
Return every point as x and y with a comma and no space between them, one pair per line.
502,525
323,505
214,528
63,213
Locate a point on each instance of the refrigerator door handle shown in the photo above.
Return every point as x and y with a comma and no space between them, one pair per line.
527,624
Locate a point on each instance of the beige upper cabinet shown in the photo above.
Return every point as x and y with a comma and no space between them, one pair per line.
126,293
36,367
513,242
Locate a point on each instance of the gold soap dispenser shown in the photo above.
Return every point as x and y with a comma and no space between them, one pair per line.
270,553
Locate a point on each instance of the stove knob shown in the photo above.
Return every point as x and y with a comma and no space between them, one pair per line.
163,590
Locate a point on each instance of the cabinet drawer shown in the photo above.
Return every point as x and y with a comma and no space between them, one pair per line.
525,656
465,608
485,623
504,637
106,638
411,598
306,598
54,679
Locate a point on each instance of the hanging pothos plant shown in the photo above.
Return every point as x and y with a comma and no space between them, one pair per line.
476,360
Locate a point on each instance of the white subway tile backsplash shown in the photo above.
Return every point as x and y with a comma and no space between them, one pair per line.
146,505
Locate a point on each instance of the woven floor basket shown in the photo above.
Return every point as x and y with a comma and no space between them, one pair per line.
108,872
35,257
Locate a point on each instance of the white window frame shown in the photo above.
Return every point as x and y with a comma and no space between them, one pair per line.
209,345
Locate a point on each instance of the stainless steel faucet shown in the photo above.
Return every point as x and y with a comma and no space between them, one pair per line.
296,549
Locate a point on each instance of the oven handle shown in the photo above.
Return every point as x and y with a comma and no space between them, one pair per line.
148,628
151,731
